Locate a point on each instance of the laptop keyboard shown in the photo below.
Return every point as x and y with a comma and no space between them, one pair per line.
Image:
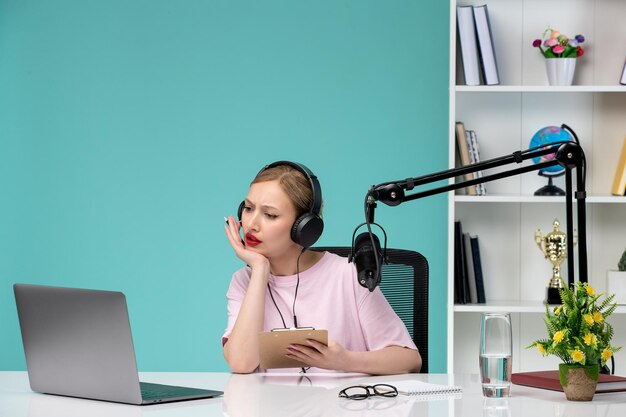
155,391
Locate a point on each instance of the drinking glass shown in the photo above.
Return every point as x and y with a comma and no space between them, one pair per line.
495,354
496,407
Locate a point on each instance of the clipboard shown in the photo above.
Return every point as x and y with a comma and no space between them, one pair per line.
273,346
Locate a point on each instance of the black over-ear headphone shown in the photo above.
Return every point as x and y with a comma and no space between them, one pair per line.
308,227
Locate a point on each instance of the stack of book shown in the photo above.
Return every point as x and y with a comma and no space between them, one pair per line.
477,50
468,153
469,286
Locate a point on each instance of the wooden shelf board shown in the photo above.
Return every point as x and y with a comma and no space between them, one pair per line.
511,306
534,199
540,89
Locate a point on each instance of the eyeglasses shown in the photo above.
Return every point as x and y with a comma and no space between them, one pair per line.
362,392
374,404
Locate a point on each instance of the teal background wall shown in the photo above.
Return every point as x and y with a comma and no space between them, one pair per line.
130,128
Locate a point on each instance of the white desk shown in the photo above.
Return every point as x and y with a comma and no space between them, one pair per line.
292,396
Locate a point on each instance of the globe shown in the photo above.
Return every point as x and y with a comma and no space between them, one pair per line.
545,137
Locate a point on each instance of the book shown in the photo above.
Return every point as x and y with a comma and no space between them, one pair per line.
459,262
485,45
464,156
623,79
469,266
469,45
478,270
481,188
619,183
550,380
472,143
414,387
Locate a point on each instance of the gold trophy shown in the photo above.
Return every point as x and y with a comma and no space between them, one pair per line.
554,247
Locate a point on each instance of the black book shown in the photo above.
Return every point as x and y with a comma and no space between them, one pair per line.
478,270
460,280
469,268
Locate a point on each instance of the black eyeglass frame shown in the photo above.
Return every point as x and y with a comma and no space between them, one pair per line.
367,391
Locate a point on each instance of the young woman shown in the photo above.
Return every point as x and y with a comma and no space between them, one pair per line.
286,285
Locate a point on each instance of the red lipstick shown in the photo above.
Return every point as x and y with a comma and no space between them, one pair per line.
251,240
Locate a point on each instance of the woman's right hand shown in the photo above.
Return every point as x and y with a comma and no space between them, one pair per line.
240,351
253,259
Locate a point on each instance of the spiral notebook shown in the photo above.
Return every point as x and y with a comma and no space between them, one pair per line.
414,387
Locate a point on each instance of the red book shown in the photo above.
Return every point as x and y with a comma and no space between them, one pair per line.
550,380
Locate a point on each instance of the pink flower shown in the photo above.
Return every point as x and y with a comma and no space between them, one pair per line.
557,45
550,42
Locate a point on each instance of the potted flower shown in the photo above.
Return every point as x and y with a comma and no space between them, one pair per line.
580,336
617,280
560,52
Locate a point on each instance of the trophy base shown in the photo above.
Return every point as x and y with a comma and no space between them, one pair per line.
553,296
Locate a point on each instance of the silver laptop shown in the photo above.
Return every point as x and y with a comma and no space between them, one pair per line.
78,343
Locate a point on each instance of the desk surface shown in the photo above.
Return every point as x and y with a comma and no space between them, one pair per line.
291,395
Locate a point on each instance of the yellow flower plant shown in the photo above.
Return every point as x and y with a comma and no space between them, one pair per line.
577,329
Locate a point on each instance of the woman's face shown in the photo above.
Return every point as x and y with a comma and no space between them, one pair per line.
267,218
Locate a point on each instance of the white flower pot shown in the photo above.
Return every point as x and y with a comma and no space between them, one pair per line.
616,284
560,70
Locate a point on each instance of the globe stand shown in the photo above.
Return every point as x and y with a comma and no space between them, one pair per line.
550,189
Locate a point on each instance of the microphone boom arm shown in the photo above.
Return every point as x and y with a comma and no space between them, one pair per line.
567,154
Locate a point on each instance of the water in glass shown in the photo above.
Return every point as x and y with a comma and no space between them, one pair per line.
495,371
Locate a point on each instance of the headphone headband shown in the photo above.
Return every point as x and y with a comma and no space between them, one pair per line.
316,207
308,226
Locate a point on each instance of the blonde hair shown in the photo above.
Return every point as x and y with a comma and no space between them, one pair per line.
295,184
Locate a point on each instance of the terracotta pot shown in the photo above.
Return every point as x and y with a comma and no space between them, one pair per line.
579,382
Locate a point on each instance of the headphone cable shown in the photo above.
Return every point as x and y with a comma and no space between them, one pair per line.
295,296
276,305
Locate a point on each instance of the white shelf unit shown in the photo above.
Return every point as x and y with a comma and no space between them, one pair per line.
505,117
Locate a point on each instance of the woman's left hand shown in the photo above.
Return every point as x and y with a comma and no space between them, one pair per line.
318,355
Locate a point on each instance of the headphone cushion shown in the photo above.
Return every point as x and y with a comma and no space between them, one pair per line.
240,210
307,229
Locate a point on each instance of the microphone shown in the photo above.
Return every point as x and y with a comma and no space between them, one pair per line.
368,260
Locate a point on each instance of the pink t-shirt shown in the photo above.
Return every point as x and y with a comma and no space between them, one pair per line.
329,297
